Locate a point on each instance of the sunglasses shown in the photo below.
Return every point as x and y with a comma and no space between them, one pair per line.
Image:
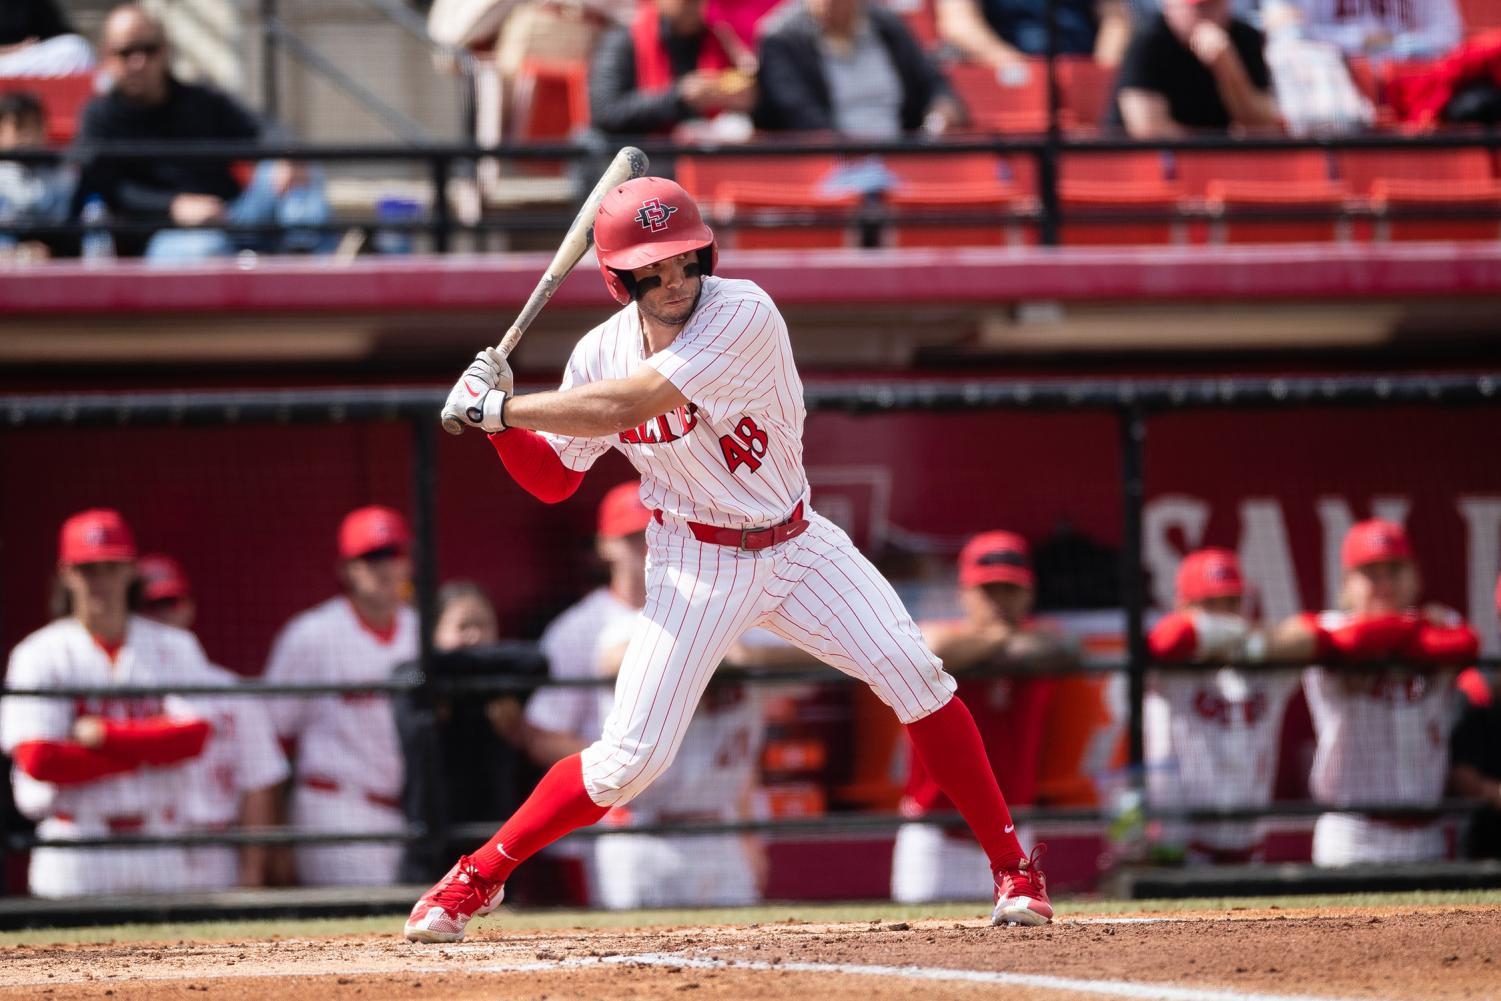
147,49
382,554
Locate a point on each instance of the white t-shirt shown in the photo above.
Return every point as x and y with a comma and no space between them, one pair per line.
734,456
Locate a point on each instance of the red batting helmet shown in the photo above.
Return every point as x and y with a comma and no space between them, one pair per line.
645,220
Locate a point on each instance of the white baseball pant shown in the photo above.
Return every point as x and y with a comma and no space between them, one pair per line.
347,863
815,590
650,870
1349,839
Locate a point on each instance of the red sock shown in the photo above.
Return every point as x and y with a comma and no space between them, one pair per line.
558,805
949,744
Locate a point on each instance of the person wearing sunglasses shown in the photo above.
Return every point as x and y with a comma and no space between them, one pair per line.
347,770
187,201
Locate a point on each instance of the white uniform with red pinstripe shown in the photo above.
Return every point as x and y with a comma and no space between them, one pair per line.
732,458
1383,737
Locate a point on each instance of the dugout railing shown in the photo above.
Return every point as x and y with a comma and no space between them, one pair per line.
1046,215
1131,405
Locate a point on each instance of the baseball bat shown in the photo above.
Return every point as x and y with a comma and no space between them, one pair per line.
630,162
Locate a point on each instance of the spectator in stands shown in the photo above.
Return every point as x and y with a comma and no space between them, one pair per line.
347,761
1193,67
464,757
852,67
1475,755
713,774
97,766
1315,91
237,778
29,195
996,592
1377,28
36,39
1212,732
668,67
1382,732
1007,33
187,198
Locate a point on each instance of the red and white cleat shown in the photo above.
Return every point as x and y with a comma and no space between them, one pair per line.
443,911
1021,894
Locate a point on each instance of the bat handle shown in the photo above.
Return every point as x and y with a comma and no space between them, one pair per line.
452,424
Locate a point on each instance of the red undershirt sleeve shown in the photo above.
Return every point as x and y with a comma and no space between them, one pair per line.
533,464
1448,646
65,763
155,741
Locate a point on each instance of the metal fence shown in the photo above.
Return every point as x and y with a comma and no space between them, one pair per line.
1132,404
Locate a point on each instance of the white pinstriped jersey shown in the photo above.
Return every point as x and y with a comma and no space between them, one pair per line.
1383,736
63,654
1212,735
241,756
734,456
1418,27
349,738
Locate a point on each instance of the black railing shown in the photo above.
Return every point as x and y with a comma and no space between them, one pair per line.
1048,215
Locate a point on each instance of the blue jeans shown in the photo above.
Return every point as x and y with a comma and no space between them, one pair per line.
258,205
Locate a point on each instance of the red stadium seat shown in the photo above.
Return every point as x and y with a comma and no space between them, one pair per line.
1134,168
1085,88
1306,170
912,202
1225,199
551,98
1472,209
1480,15
703,176
62,97
1358,169
738,201
997,107
1127,200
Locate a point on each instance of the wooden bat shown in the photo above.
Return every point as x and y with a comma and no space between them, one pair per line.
630,162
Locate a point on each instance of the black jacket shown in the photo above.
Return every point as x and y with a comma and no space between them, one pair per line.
617,106
144,189
795,93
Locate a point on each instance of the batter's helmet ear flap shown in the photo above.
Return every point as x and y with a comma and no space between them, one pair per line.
708,259
625,281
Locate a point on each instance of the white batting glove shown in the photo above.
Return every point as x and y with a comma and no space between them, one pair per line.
478,399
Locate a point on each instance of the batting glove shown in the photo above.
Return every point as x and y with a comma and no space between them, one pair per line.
479,397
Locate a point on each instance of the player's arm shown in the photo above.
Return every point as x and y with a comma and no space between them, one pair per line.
596,409
962,646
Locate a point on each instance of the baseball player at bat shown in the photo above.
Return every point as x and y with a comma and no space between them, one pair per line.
693,380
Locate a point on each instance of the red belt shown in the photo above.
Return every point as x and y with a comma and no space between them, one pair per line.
128,824
749,538
323,784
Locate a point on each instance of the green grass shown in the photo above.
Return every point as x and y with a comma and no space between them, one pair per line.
218,931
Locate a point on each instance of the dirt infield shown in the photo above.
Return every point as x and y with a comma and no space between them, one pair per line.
1415,952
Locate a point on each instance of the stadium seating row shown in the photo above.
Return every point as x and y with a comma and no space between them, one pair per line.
1135,197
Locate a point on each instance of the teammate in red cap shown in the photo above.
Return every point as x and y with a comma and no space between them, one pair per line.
1211,731
101,766
694,381
1383,732
238,777
996,591
348,769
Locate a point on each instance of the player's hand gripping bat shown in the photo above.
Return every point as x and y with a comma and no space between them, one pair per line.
628,163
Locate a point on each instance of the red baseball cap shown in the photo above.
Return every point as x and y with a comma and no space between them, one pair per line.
367,529
1374,541
98,535
995,558
621,512
162,578
1210,573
